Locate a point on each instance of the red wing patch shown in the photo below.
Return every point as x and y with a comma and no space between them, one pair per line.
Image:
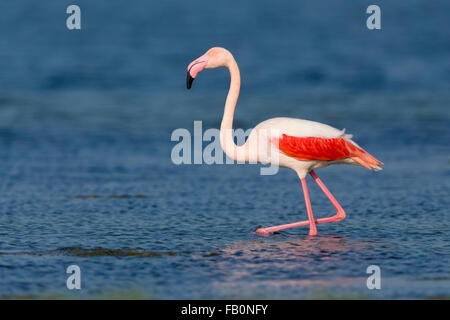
315,148
324,149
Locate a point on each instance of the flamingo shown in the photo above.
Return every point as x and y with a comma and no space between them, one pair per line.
300,145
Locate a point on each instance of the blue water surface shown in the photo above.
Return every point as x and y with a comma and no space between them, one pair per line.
86,175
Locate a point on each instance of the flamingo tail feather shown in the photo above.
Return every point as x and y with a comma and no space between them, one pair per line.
366,160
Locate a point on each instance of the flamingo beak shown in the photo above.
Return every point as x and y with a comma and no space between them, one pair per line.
189,81
194,68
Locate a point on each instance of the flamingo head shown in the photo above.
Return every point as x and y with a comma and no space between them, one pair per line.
213,58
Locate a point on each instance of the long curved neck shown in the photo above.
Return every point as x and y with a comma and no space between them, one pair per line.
226,128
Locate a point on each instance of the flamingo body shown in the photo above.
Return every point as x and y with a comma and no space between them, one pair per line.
305,145
301,145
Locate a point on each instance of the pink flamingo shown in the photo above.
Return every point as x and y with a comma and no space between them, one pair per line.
300,145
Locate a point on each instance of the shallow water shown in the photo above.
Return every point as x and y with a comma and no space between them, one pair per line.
104,194
86,176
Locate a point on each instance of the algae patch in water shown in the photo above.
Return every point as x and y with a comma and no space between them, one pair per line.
104,252
112,196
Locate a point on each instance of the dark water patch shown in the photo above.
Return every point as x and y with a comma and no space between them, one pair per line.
105,252
89,196
112,196
444,278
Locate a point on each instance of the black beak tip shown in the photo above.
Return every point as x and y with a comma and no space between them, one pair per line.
189,81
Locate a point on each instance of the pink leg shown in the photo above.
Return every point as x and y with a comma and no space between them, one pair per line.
310,221
340,215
